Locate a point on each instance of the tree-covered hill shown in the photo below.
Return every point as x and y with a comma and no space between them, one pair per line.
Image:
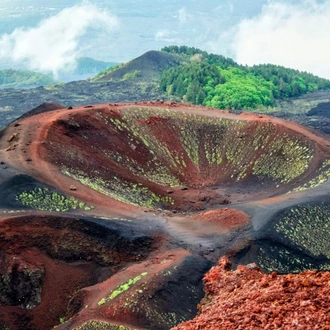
217,81
23,79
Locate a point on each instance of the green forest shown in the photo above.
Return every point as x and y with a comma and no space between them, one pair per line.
23,79
217,81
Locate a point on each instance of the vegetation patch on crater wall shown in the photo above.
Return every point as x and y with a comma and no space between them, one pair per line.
44,200
307,227
122,288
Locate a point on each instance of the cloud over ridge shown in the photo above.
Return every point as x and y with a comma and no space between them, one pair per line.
52,46
292,35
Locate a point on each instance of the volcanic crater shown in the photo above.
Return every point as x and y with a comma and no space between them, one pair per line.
46,260
150,196
167,158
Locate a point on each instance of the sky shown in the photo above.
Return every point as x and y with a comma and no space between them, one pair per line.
48,36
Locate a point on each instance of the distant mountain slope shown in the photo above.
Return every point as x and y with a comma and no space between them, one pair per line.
87,65
147,66
86,68
23,79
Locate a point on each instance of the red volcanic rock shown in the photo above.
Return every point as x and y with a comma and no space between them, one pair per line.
248,299
224,218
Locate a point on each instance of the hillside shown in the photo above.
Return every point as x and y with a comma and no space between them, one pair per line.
145,67
23,79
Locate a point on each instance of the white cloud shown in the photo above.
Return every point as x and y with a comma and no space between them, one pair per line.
227,7
183,15
292,35
168,36
53,45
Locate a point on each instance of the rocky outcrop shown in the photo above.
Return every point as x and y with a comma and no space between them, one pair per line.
20,282
248,299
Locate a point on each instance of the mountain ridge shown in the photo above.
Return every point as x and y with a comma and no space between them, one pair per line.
138,80
147,66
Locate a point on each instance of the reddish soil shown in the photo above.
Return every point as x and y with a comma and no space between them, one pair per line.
226,219
248,299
